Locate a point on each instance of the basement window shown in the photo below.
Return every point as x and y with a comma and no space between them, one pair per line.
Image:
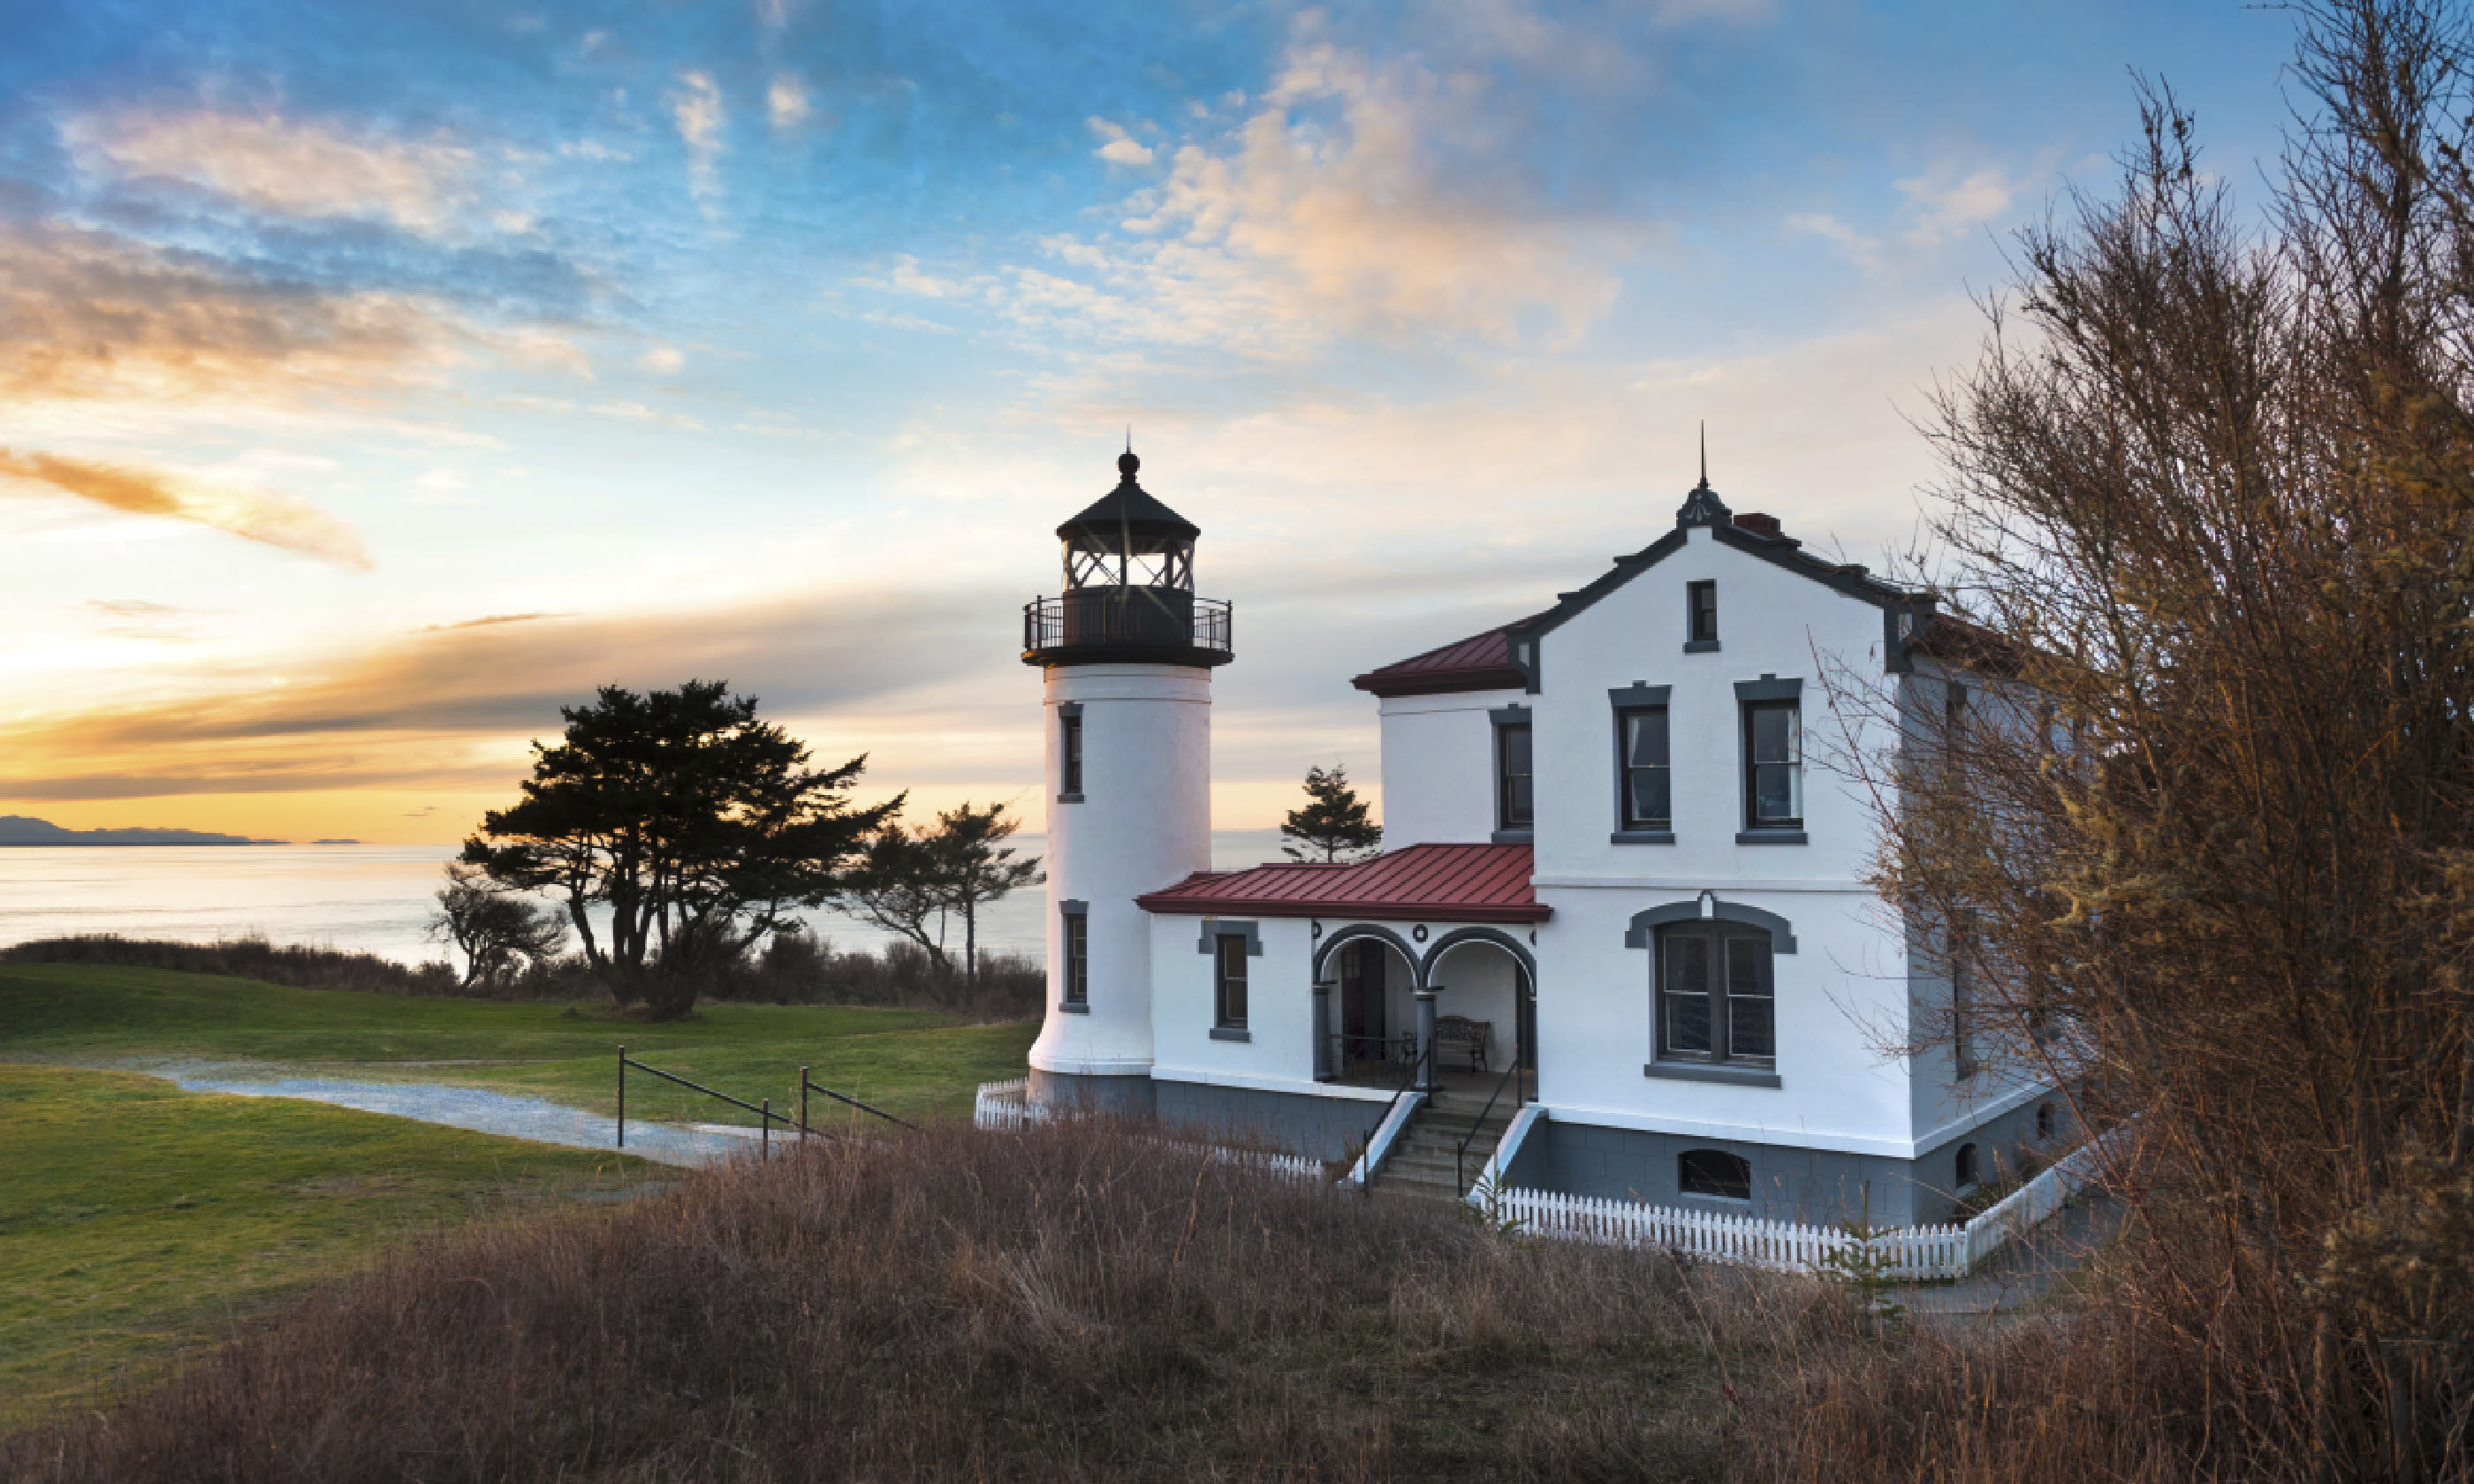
1715,1172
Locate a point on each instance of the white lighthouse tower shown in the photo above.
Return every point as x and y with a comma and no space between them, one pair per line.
1128,652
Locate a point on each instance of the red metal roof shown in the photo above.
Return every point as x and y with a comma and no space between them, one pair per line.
1454,883
1482,661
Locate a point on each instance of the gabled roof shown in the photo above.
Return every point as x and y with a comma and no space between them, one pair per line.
1482,661
1448,883
1509,656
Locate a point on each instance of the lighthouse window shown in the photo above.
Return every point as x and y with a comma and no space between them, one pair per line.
1069,755
1230,974
1078,959
1716,996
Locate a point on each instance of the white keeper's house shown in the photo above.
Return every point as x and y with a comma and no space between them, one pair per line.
1615,889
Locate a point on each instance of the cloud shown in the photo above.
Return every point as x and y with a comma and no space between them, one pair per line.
1119,148
291,167
695,108
1944,203
256,515
456,706
92,315
664,359
786,101
1358,197
1863,251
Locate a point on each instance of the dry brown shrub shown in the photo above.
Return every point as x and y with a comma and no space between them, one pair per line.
1082,1303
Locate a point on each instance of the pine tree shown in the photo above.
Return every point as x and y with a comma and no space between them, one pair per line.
1334,825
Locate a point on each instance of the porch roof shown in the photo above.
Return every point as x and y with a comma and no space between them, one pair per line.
1446,883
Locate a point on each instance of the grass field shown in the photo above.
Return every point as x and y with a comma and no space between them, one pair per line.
912,1062
139,1221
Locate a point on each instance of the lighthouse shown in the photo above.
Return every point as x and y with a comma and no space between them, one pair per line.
1126,652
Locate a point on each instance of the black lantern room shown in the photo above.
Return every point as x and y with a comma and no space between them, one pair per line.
1129,589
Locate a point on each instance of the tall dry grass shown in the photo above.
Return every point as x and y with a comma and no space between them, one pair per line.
1080,1302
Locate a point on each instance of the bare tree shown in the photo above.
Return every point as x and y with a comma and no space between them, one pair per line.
498,931
2211,493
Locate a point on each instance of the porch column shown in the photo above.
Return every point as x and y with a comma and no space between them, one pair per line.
1427,1034
1323,1030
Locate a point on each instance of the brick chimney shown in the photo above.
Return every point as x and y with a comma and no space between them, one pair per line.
1760,525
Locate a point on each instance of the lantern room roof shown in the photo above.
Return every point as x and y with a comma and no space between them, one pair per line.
1128,517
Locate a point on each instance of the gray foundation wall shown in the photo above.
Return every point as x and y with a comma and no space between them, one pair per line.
1126,1096
1816,1186
1320,1128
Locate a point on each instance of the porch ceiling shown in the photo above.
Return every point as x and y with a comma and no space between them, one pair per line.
1421,883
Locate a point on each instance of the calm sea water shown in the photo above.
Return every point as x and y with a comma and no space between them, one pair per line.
366,898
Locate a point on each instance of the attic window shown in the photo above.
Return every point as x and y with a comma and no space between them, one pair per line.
1701,616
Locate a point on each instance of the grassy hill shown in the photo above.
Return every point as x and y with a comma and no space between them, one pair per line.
139,1222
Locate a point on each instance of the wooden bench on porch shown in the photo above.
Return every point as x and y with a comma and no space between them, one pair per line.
1457,1033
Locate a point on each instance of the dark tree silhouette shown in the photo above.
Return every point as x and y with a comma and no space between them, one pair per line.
701,829
1335,825
497,930
914,884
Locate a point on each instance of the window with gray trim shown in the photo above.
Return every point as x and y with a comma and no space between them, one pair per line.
1716,994
1069,753
1773,765
1646,799
1701,612
1229,982
1078,959
1514,797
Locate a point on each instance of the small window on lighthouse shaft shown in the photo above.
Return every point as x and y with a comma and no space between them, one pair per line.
1078,959
1068,756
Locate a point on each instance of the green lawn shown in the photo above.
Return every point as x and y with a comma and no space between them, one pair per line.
912,1062
138,1221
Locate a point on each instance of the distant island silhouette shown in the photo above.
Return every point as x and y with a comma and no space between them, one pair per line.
25,829
334,842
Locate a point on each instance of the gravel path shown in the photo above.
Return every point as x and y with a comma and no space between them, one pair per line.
531,1118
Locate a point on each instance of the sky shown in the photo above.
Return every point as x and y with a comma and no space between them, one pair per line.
378,377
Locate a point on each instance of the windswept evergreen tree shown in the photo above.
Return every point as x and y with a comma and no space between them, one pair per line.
1335,825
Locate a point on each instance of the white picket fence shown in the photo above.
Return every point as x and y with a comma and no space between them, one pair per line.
1923,1254
1005,1107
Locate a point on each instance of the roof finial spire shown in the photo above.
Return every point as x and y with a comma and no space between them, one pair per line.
1705,453
1126,463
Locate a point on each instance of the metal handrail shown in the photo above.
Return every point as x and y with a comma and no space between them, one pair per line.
1478,1122
765,1116
806,1087
1209,622
1408,1085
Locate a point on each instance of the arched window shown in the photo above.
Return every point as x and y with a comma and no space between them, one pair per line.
2043,1121
1715,1172
1966,1166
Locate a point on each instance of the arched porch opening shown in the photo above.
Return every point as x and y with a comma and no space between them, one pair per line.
1485,1008
1366,979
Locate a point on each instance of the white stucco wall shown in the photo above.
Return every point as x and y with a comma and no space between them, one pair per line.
1144,823
1277,1053
1842,1005
1439,768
